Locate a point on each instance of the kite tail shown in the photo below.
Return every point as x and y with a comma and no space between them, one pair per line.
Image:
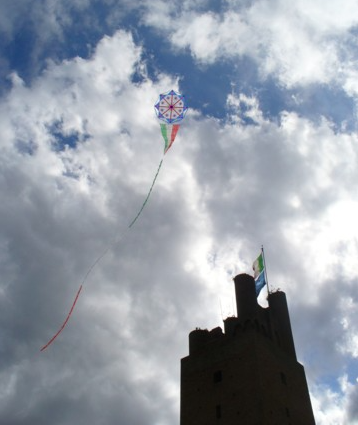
100,258
146,199
65,322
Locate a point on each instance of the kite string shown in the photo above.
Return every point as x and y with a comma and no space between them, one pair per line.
116,240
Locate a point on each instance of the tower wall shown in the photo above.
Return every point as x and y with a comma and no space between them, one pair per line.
246,300
281,323
248,375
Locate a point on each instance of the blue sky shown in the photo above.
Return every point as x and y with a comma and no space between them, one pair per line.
267,154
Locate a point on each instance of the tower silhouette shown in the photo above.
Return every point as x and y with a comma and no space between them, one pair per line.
248,374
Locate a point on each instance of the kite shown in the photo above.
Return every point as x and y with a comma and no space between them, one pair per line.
171,108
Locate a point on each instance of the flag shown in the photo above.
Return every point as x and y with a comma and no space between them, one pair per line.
259,273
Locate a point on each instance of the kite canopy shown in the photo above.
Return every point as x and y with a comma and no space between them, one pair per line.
171,107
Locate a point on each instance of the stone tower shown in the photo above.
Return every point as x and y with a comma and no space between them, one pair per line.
248,374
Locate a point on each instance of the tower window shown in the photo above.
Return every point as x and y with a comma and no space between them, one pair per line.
283,378
217,377
218,411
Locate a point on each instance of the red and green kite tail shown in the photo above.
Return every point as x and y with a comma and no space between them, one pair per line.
100,258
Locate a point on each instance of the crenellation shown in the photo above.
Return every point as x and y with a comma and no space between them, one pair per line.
248,373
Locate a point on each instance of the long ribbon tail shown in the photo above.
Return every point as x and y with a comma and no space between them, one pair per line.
100,258
64,323
146,199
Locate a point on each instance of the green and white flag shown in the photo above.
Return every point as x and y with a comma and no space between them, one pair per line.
259,273
258,265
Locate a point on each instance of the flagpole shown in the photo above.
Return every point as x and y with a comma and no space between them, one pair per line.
265,269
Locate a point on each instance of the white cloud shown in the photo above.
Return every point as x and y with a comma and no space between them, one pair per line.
330,406
299,44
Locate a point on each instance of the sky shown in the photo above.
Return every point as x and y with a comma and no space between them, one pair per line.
267,155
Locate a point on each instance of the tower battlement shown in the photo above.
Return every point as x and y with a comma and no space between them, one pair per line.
248,372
